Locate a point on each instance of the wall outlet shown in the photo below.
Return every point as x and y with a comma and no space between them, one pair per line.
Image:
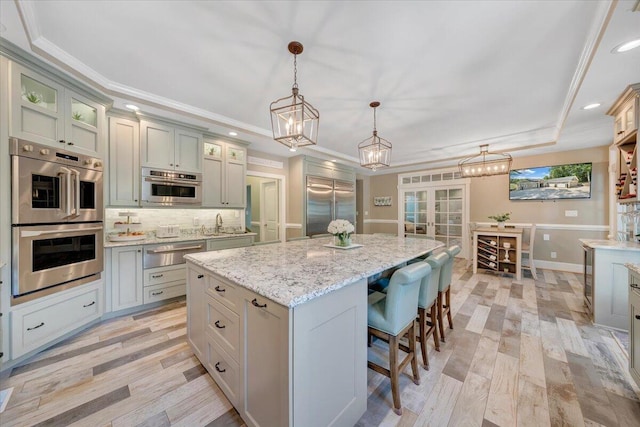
570,213
545,237
554,255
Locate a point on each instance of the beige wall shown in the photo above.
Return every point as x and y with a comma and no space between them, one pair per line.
489,196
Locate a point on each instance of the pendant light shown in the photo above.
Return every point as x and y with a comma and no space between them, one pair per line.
294,121
485,164
375,152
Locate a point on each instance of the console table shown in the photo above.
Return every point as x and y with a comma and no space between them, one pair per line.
498,249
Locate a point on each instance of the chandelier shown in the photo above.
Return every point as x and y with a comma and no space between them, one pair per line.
375,152
294,121
485,164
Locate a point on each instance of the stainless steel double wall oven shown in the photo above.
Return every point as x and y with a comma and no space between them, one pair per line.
56,215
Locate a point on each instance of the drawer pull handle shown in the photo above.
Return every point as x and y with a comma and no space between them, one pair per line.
219,289
638,316
157,293
218,325
36,327
155,276
200,276
257,304
89,305
217,366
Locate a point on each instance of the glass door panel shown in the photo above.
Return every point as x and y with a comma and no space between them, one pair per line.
39,94
84,113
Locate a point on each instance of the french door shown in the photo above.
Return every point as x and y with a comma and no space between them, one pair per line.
434,212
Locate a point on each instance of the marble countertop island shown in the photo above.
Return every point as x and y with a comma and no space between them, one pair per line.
295,272
610,244
633,267
150,238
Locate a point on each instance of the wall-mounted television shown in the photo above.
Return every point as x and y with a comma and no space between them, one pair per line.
571,181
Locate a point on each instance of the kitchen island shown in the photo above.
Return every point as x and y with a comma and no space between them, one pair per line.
282,328
606,280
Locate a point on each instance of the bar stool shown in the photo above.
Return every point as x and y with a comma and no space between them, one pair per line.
427,305
446,274
393,315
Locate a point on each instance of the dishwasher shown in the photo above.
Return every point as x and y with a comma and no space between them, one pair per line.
165,273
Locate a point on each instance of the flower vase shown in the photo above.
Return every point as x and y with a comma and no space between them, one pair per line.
342,240
500,224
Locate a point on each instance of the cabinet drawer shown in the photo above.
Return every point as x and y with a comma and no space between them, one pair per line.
229,243
224,370
161,292
44,321
223,326
155,276
224,292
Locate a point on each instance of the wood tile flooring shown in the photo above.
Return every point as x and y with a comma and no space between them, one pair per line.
522,354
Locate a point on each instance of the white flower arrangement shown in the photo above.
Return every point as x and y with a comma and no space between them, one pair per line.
341,227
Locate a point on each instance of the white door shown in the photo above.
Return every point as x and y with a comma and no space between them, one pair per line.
269,215
434,212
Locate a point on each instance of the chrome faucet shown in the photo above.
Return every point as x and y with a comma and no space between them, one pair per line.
218,223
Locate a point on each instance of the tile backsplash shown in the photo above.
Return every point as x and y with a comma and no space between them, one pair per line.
185,218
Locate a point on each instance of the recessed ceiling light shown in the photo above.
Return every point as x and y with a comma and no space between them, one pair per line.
591,106
626,46
333,160
132,107
233,133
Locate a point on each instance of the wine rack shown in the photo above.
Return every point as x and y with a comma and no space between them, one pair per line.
498,251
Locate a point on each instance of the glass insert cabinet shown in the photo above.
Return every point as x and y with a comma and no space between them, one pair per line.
434,212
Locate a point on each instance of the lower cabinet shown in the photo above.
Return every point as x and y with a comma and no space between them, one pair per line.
634,326
280,366
611,287
229,243
39,322
125,276
162,283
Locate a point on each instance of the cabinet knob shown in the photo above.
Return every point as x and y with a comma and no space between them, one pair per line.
135,200
219,289
139,250
177,165
200,276
170,164
217,366
637,316
219,325
61,141
69,143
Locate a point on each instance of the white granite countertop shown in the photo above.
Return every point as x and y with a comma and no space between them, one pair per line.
151,239
610,244
633,267
295,272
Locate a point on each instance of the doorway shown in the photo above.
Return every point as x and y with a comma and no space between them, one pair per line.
265,211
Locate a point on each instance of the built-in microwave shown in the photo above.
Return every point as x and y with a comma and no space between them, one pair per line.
170,188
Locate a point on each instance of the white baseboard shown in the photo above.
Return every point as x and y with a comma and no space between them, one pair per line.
560,266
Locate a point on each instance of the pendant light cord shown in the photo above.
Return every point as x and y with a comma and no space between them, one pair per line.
295,71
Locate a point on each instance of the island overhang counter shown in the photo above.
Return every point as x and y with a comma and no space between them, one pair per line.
282,328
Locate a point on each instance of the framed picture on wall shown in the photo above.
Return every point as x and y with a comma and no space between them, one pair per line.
382,201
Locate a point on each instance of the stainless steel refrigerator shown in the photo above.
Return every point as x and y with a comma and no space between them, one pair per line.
329,199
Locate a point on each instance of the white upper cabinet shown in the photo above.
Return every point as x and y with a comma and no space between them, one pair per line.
45,112
166,147
124,162
225,166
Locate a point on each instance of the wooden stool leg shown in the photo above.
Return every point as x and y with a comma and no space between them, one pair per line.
414,356
448,298
434,321
440,320
393,373
422,330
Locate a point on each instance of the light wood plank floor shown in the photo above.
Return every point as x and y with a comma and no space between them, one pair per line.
520,354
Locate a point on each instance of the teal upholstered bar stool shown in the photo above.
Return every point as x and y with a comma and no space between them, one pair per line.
427,305
444,292
391,316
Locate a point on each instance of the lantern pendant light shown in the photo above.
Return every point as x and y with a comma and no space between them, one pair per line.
294,121
375,152
485,164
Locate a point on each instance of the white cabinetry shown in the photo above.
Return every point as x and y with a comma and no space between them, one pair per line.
46,112
124,162
225,166
162,283
39,322
126,277
229,243
610,286
279,366
634,325
164,146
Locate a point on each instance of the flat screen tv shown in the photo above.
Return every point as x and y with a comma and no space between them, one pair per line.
572,181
